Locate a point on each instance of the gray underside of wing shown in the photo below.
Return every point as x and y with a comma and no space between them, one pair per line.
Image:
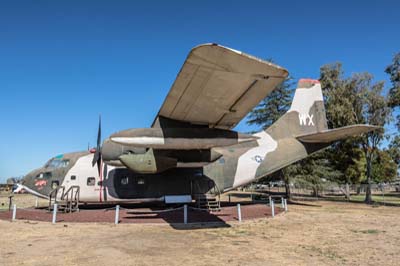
218,86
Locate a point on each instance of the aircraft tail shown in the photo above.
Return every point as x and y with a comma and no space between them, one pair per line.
306,114
306,118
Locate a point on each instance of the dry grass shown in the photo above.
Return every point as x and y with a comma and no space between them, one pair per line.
21,200
325,233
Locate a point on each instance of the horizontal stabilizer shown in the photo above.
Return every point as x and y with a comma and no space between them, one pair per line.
332,135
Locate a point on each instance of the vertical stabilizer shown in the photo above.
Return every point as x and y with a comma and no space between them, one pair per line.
306,114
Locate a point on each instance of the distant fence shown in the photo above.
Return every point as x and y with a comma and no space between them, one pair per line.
331,189
342,189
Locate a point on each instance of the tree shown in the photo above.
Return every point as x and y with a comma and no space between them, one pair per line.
394,102
270,109
394,72
342,105
354,100
373,109
313,171
394,150
384,168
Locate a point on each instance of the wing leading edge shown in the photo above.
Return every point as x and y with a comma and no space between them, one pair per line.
217,86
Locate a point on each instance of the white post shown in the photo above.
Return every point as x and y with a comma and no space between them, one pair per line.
54,213
286,205
116,214
239,212
282,202
272,209
270,199
37,202
185,214
14,213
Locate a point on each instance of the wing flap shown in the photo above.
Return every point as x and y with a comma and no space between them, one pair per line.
337,134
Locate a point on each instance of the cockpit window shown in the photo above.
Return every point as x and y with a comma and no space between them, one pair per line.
45,175
57,163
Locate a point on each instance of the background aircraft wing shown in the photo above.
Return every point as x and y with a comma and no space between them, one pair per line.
218,86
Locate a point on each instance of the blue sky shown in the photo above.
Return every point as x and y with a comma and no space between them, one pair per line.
64,62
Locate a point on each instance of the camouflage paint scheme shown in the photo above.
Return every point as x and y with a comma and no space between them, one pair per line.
192,149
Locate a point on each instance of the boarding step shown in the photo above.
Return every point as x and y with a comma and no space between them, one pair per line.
66,200
66,207
208,202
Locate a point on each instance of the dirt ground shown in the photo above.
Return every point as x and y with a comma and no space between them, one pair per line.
320,233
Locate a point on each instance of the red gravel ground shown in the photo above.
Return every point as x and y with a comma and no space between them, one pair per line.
146,215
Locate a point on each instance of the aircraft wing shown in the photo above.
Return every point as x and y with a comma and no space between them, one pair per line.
217,86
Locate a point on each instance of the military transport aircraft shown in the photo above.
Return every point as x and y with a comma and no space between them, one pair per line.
191,148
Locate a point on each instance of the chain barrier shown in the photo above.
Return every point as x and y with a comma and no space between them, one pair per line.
198,209
152,211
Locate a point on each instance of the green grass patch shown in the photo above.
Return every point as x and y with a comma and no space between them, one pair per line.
368,231
392,198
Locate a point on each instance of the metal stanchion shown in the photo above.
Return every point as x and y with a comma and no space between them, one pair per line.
10,198
185,214
286,205
239,212
282,202
116,214
14,213
270,199
54,213
272,209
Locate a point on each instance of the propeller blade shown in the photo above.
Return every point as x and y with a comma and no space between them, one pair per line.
99,133
97,155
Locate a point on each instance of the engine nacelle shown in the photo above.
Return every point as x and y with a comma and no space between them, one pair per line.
179,138
147,163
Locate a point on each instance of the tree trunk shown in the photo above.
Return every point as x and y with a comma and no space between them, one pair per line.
347,192
315,191
287,185
368,196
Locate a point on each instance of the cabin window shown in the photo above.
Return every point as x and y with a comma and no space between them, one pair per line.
124,181
91,181
55,184
73,177
140,181
57,163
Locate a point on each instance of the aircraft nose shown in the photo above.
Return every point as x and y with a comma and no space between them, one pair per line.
26,182
31,185
18,188
29,180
